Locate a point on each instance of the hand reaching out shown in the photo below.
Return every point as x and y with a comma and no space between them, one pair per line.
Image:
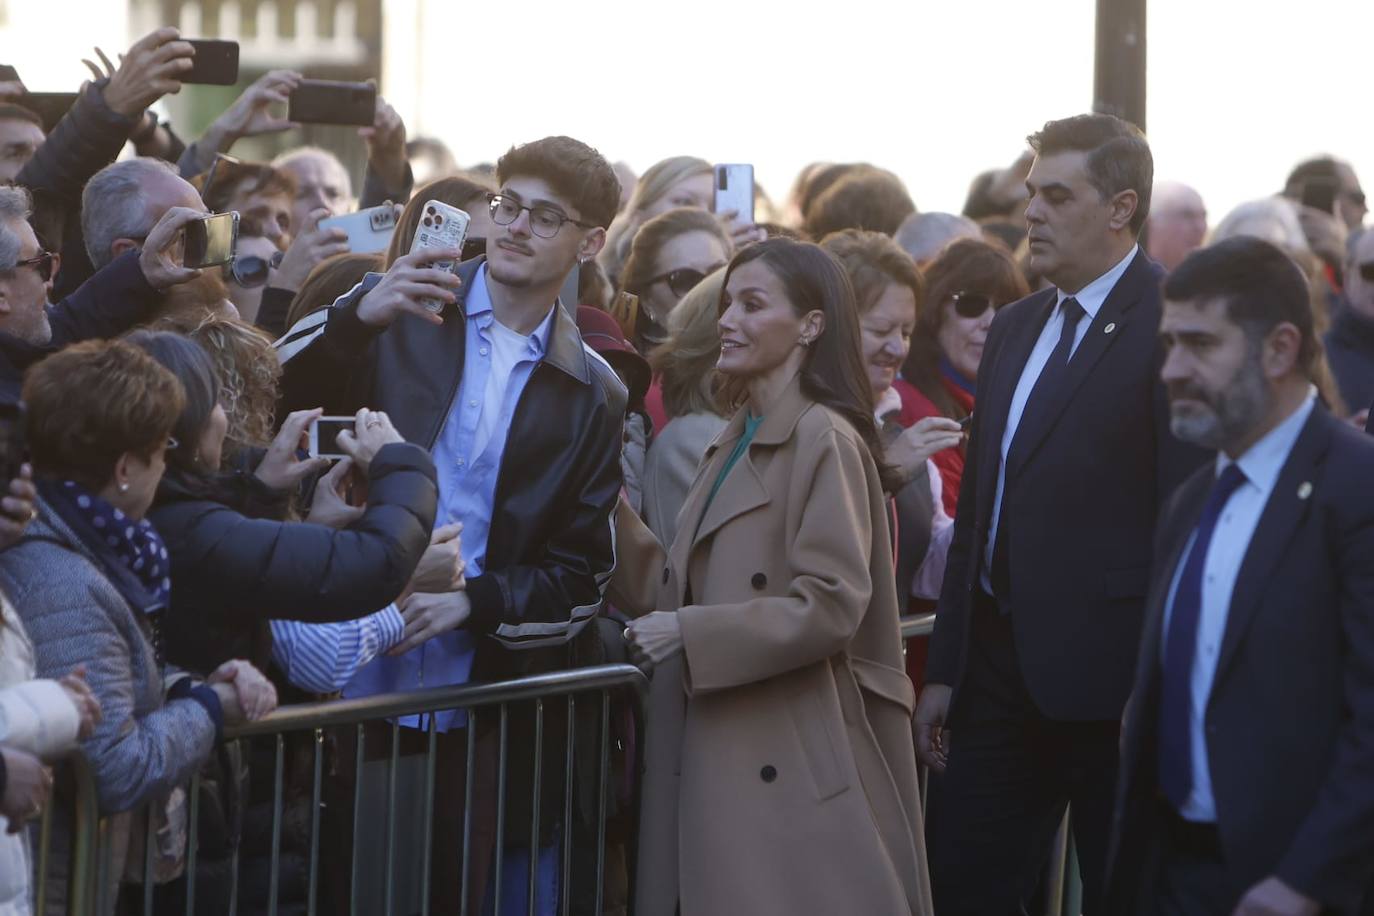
245,692
148,71
281,468
330,506
441,567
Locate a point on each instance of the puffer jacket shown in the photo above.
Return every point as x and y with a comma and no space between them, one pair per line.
35,716
234,569
81,606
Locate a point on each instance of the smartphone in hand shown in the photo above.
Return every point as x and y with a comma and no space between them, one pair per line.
331,102
441,226
211,240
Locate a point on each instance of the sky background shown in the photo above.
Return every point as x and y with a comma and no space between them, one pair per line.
932,90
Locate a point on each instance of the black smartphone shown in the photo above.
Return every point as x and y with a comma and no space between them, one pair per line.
330,102
210,240
49,106
216,62
14,448
1320,194
8,74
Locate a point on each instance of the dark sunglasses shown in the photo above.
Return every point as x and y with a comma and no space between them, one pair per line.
682,280
42,263
249,270
1367,272
971,305
1355,197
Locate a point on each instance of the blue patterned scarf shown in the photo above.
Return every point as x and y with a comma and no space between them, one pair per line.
137,544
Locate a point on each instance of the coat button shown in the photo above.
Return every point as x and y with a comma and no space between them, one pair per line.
768,774
665,575
760,581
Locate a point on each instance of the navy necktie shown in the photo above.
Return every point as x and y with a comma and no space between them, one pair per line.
1180,647
1049,376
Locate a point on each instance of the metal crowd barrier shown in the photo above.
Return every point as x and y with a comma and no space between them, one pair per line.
91,884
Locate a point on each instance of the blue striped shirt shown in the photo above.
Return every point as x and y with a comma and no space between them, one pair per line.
323,657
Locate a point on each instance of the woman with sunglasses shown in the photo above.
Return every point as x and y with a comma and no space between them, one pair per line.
965,285
670,255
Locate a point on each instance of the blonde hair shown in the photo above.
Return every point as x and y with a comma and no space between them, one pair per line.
686,361
653,185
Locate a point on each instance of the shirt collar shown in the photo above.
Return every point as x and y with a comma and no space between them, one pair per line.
480,311
1264,460
1095,293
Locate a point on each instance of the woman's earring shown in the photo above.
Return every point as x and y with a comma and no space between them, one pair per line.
124,488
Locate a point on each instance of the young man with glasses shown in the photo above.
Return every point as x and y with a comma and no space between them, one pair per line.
525,426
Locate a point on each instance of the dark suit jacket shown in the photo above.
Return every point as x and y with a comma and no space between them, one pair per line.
1080,503
1290,721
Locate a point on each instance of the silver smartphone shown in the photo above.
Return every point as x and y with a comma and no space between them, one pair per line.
324,433
734,191
441,226
369,231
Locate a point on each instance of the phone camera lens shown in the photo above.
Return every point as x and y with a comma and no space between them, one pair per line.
428,222
721,180
438,220
429,210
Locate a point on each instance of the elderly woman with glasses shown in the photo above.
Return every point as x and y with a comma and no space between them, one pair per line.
965,285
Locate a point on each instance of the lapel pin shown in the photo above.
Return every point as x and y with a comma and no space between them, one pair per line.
1304,490
1109,328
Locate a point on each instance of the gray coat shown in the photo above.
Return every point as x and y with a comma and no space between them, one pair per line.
76,613
670,467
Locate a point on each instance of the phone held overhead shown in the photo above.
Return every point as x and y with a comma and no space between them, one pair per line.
331,102
215,63
734,191
369,231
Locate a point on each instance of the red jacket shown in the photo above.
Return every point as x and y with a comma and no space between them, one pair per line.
950,462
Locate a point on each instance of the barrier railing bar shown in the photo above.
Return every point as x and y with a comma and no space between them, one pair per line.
351,711
603,791
312,900
389,882
534,817
357,808
502,760
274,873
44,842
918,625
428,853
149,838
467,813
234,855
563,885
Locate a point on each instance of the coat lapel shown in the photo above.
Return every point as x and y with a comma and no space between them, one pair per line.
1043,412
1287,507
995,404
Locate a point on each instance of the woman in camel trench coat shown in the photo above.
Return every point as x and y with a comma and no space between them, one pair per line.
780,770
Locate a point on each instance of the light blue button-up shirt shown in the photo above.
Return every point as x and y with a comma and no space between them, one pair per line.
1091,298
1261,464
497,364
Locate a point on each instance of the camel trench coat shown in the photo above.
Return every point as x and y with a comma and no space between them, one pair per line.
780,768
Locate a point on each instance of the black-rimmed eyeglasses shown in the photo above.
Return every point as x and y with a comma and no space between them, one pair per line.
544,221
42,262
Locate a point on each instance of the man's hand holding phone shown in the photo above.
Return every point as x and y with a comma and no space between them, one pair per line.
411,280
147,72
252,114
161,257
371,433
386,146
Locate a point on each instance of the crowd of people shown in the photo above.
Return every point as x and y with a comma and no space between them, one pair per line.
1116,451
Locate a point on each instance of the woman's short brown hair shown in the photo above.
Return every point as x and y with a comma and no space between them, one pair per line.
873,261
95,401
328,280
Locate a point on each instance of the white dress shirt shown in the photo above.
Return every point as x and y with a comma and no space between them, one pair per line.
1090,298
1235,528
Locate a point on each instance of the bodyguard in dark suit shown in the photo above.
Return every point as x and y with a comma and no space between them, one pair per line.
1247,772
1069,461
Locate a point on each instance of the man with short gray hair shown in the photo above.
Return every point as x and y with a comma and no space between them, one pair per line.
115,299
123,201
924,235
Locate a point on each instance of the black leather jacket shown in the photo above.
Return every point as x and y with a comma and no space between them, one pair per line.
550,549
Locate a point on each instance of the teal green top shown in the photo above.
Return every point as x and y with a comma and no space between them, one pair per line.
751,426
